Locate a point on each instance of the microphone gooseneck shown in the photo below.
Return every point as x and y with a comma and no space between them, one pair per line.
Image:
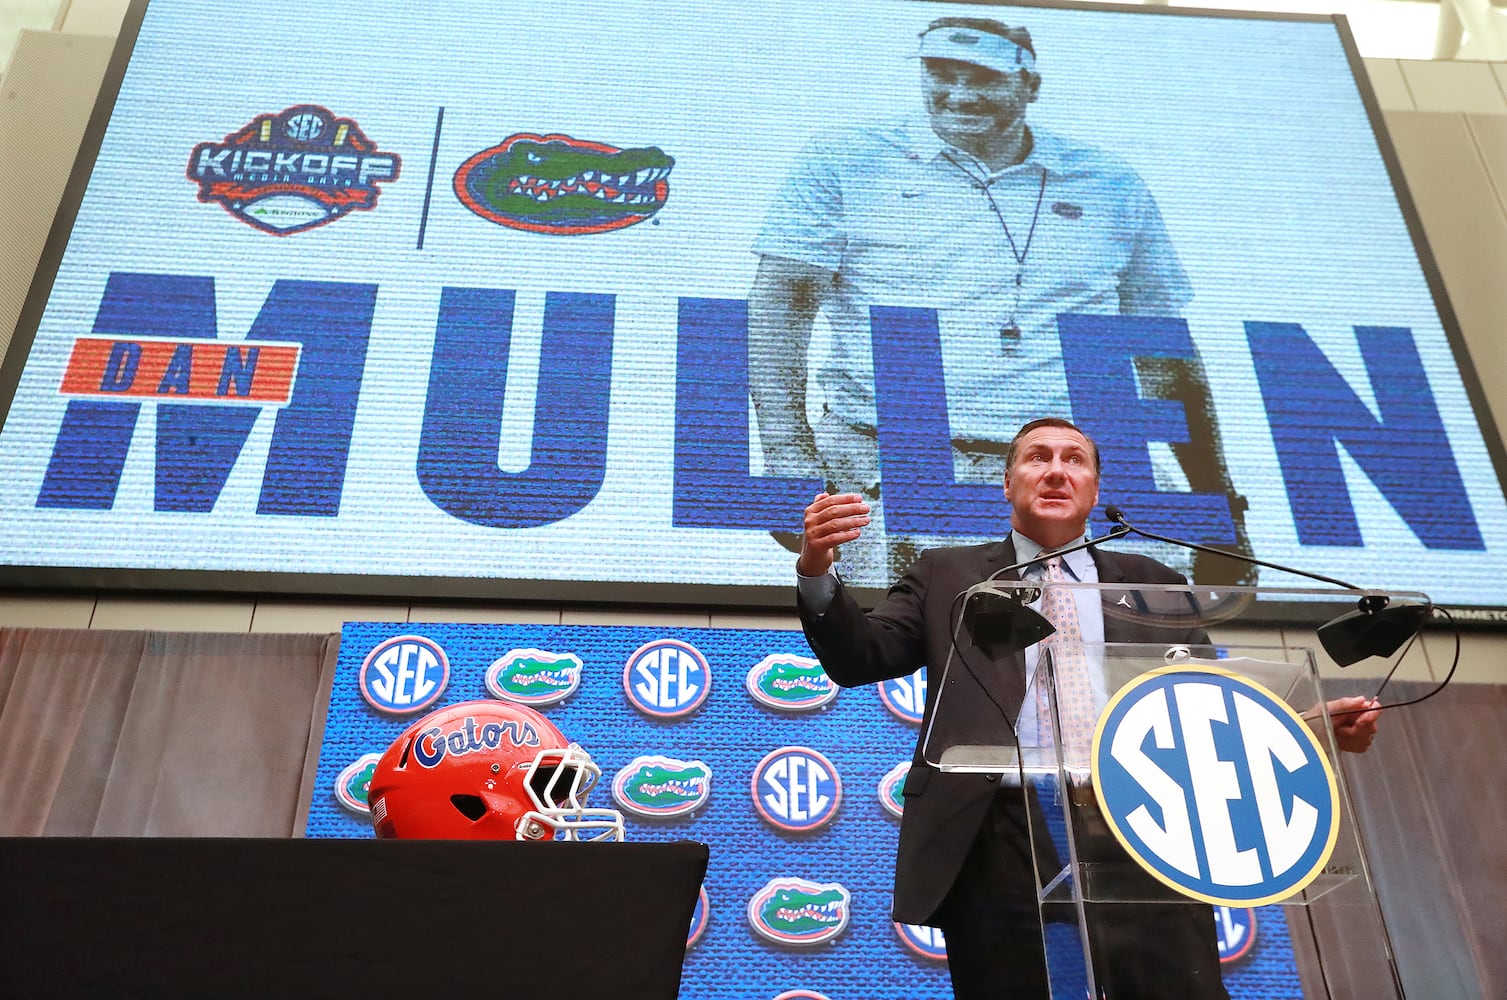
1376,627
1115,514
1002,623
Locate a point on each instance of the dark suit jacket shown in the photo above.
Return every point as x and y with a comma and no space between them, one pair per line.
912,627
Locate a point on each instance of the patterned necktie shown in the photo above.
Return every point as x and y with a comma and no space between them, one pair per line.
1075,693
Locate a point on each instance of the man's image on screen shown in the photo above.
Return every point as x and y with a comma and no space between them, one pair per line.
999,226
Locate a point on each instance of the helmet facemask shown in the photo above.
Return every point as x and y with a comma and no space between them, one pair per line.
557,784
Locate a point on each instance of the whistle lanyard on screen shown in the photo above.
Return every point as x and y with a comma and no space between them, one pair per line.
1010,330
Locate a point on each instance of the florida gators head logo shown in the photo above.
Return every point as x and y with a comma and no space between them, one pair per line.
892,789
658,787
562,186
534,677
797,911
790,683
354,782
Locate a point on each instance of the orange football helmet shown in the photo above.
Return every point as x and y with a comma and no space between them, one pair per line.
487,770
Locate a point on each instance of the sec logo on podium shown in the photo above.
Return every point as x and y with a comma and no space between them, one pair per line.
1215,785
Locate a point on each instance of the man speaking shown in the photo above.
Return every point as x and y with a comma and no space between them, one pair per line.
964,862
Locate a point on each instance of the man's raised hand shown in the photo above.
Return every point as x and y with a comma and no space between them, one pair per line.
831,520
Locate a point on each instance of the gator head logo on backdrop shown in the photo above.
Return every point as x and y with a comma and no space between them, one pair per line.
892,789
658,787
534,677
563,186
354,782
797,911
790,683
286,172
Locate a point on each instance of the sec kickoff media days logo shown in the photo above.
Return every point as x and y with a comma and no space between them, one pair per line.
294,170
404,674
1215,785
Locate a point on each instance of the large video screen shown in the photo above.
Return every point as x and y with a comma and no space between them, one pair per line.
585,300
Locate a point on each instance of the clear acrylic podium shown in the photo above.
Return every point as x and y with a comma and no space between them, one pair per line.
984,721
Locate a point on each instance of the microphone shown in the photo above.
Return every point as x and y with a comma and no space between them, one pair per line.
1373,629
1118,531
1003,623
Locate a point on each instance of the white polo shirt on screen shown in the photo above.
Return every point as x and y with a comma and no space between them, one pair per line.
903,219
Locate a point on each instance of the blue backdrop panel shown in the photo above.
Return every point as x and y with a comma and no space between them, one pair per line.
732,732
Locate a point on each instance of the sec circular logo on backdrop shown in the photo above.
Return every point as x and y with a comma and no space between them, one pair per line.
404,674
1235,933
925,942
1215,785
796,789
905,697
700,917
667,679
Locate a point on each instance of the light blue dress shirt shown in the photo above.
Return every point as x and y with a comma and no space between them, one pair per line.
1077,566
817,593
